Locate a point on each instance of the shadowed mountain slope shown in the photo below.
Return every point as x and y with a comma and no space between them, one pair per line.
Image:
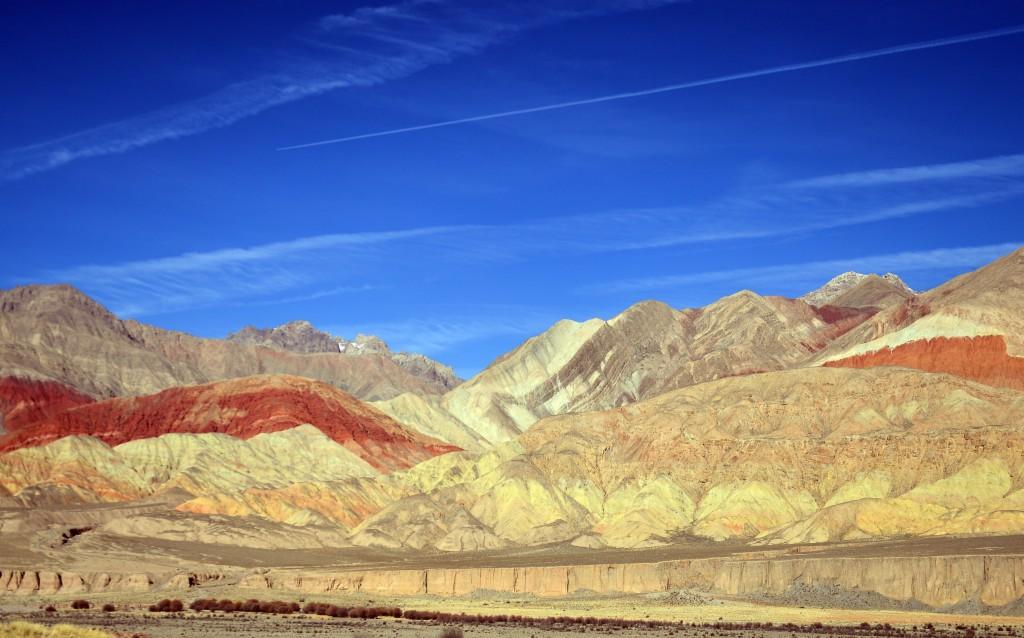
56,333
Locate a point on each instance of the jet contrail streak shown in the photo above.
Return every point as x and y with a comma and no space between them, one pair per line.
785,68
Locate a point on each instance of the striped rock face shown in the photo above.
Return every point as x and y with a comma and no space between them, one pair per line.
24,401
241,408
972,327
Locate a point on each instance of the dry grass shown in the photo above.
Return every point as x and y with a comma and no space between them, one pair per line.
19,629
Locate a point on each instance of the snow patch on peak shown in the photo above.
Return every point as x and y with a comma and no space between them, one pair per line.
835,287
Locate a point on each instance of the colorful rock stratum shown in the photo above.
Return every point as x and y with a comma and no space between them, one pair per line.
733,448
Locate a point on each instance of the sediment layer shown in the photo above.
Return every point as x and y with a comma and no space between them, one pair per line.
935,581
983,359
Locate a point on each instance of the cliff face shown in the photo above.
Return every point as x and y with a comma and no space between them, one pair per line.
24,582
938,582
934,581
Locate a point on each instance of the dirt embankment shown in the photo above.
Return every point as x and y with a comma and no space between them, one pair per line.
934,581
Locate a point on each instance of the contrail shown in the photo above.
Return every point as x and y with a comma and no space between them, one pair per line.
785,68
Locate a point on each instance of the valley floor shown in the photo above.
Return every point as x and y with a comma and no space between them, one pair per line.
828,604
835,622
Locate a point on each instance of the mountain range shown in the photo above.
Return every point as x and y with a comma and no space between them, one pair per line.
863,410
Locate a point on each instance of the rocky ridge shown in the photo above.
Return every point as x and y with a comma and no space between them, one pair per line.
58,334
648,349
887,287
303,337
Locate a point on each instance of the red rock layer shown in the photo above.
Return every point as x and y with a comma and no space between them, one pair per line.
243,408
842,319
25,401
983,359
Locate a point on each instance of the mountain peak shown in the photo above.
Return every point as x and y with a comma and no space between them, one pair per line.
50,298
303,337
842,284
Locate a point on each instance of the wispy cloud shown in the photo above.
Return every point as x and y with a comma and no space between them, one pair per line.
313,267
366,47
818,271
989,167
199,279
722,79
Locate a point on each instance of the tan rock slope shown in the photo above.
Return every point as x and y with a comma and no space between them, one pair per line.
297,476
649,349
767,452
56,333
810,455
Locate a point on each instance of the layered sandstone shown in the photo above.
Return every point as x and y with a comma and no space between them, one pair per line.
935,581
981,358
24,401
971,326
810,455
197,464
647,350
241,408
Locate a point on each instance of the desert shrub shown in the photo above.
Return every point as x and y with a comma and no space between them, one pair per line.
253,605
81,604
167,606
50,609
203,604
108,607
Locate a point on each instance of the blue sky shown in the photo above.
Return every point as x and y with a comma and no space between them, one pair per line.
140,161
